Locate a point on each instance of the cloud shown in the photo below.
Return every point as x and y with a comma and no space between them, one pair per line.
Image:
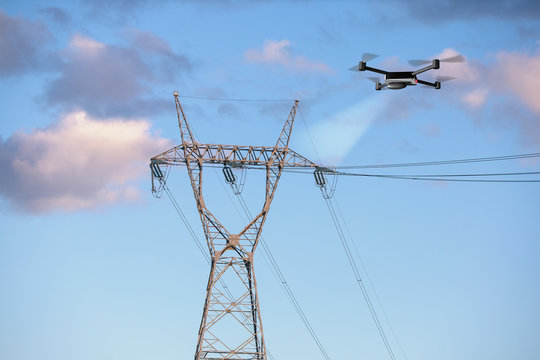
503,88
77,163
518,74
447,10
109,80
56,14
22,45
512,75
279,53
115,12
476,98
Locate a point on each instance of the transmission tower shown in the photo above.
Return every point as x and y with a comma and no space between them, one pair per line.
231,326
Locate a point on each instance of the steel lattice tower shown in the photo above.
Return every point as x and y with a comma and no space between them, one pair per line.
231,326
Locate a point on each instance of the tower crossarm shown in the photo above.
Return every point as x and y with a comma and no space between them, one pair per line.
232,155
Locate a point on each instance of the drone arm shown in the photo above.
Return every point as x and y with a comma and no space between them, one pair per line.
369,68
434,65
436,85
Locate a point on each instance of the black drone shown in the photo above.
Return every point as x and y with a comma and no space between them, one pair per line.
400,79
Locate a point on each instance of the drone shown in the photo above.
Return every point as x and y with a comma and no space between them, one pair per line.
401,79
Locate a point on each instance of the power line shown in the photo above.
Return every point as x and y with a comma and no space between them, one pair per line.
309,135
443,162
276,271
233,99
462,175
357,252
358,278
285,285
435,178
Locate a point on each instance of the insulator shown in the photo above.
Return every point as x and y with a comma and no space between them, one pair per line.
319,178
229,176
156,171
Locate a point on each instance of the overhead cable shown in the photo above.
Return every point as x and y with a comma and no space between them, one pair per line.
233,99
358,278
443,162
285,285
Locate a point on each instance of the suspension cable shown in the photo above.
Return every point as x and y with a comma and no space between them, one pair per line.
270,259
358,278
328,199
357,252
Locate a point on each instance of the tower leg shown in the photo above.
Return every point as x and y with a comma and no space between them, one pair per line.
231,323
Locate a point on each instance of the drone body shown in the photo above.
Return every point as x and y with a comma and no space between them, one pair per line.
401,79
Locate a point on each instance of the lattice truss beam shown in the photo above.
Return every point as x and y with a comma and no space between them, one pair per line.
231,325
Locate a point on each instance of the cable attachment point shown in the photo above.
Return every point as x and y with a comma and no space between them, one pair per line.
229,176
157,174
321,182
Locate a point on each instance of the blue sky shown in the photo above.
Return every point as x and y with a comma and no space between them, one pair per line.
92,266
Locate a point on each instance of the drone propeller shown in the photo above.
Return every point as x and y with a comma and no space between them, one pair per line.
368,56
419,62
374,79
354,68
452,59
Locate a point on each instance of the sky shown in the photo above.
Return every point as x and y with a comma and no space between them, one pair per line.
93,266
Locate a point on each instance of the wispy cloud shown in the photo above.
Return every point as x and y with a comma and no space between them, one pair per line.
107,80
77,163
503,88
436,11
280,53
518,74
513,75
23,45
56,14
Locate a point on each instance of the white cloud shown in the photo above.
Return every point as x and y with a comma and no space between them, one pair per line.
78,163
512,74
279,52
519,74
476,98
465,72
85,44
506,86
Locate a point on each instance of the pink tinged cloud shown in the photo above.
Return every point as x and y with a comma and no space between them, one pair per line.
519,74
476,98
279,53
465,72
78,163
511,74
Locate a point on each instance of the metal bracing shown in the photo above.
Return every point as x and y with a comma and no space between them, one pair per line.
231,326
